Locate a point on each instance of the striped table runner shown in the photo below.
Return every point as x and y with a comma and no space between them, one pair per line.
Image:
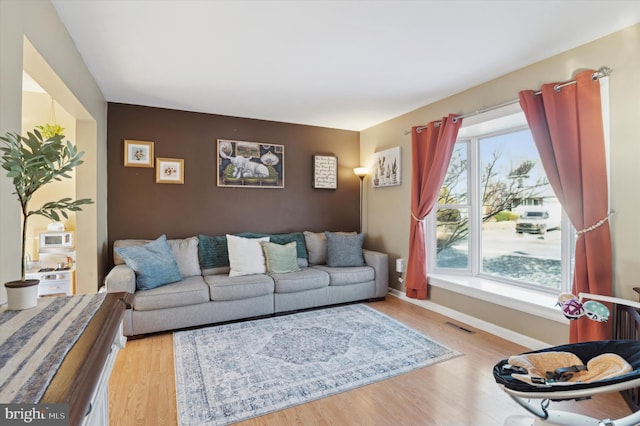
34,342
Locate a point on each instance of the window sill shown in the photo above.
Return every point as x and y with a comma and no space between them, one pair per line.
520,299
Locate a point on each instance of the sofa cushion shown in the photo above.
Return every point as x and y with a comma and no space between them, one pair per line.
344,250
212,251
297,237
316,243
339,275
224,287
153,263
245,256
304,279
185,252
280,258
189,291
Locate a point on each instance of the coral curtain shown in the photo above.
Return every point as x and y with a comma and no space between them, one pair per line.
431,149
568,132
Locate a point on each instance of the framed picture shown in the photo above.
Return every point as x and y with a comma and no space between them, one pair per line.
386,169
250,164
169,170
325,171
138,153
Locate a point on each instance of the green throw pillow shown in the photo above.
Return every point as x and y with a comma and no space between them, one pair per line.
213,251
153,263
280,258
344,250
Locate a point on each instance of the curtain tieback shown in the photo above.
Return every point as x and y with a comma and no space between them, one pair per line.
597,225
414,216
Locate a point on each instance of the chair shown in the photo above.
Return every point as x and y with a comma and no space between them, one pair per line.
626,323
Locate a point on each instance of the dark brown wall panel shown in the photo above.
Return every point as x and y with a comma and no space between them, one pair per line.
140,208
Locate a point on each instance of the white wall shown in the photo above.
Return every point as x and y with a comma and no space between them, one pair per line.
32,37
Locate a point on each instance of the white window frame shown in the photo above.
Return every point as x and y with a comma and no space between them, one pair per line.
536,301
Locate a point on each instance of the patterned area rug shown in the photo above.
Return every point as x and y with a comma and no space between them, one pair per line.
233,372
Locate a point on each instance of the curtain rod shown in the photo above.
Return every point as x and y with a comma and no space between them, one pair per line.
602,72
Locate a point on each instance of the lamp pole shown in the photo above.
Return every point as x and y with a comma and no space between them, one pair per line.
361,172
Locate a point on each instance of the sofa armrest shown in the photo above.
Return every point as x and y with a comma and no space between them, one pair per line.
120,278
380,263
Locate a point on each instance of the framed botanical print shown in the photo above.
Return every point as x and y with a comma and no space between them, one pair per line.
138,153
169,170
386,168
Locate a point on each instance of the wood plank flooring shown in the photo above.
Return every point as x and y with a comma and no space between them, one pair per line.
460,391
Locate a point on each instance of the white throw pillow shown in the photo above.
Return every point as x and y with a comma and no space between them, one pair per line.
245,256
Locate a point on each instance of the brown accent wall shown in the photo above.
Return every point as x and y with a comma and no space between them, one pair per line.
140,208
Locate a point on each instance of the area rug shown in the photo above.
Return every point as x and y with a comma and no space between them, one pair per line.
229,373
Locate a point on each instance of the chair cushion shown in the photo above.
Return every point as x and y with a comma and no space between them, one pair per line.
189,291
304,279
224,287
339,275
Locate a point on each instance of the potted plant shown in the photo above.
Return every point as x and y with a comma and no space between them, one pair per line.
32,162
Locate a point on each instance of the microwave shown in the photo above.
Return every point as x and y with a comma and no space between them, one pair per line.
56,240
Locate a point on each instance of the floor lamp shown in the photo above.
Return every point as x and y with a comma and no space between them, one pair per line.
361,172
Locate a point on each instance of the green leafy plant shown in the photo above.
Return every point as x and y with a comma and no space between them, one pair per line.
32,162
50,130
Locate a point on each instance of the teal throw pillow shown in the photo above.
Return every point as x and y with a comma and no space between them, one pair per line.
153,263
213,251
344,250
280,258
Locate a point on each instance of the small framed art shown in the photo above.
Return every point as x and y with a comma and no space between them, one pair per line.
386,168
169,170
325,171
138,153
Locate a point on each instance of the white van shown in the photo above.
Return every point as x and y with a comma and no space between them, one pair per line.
536,221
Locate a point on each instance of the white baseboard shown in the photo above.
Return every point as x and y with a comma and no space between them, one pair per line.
488,327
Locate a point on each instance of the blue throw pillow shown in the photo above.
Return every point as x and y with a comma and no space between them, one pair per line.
344,250
153,263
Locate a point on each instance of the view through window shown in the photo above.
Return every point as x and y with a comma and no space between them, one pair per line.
497,215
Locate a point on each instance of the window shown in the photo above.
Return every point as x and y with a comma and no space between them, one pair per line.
496,216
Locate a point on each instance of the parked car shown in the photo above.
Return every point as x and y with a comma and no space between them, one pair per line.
536,221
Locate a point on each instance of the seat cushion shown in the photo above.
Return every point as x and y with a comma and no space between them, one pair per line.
304,279
224,287
347,275
189,291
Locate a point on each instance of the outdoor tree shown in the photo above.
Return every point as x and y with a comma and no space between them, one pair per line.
499,192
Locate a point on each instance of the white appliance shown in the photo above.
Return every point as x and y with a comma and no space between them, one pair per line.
56,264
56,240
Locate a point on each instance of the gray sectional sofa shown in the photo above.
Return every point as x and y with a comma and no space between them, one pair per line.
209,290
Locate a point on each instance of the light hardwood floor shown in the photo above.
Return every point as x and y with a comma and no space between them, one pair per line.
460,391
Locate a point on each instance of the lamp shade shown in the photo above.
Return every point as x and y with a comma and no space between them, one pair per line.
361,171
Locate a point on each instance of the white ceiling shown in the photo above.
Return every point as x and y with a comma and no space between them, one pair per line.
341,64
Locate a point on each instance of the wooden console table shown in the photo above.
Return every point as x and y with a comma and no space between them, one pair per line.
82,379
